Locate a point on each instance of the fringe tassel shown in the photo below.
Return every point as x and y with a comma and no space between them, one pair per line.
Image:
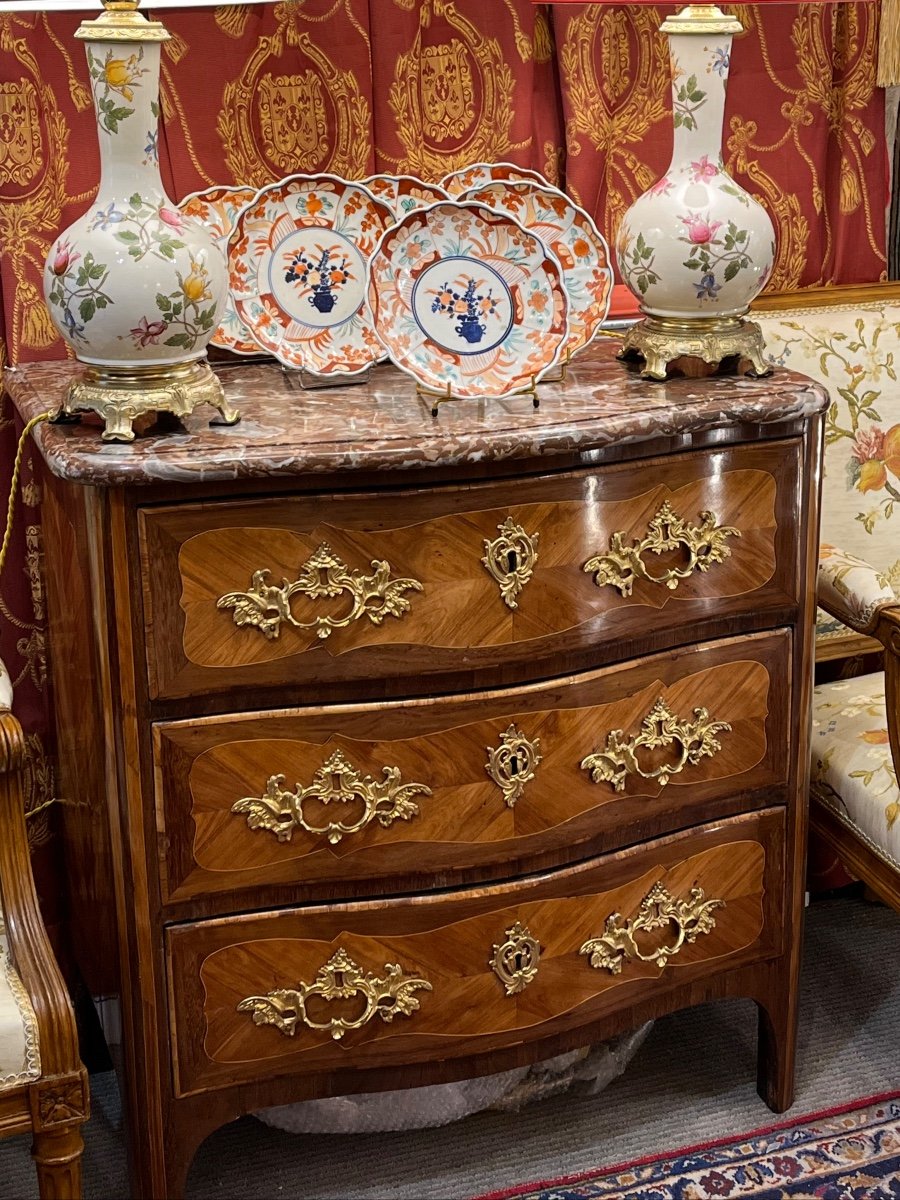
889,44
543,40
850,188
232,18
37,328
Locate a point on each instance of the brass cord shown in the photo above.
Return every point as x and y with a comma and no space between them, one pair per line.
14,483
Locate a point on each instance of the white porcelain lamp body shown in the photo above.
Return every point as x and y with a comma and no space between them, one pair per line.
696,245
133,283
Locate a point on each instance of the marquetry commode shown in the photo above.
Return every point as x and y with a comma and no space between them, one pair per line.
398,749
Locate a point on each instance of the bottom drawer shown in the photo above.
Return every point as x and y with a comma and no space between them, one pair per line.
388,983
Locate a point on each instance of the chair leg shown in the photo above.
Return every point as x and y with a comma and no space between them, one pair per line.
57,1156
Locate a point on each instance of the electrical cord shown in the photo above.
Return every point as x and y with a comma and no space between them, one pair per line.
14,483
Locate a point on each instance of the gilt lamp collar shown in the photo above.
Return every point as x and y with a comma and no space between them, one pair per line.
120,21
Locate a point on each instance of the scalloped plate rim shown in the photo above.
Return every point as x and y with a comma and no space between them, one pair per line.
527,171
594,226
364,307
519,389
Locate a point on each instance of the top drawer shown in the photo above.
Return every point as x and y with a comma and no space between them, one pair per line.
326,588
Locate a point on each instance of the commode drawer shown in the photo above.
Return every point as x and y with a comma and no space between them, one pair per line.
405,981
424,791
408,583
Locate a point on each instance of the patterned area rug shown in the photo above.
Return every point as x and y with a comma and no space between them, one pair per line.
849,1153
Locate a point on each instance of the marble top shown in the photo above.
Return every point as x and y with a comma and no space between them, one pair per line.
384,425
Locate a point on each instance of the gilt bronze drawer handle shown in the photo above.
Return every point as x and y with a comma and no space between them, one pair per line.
512,764
375,596
704,545
515,961
659,908
660,728
340,979
510,559
337,782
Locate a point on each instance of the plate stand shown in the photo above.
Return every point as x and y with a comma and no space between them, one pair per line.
563,371
436,399
306,381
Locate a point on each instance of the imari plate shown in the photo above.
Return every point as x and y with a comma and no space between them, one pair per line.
403,193
467,301
479,174
574,239
297,270
217,208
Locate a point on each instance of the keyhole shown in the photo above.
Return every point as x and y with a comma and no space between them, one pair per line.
513,560
339,979
518,763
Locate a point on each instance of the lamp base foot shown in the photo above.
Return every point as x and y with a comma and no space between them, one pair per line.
120,395
659,341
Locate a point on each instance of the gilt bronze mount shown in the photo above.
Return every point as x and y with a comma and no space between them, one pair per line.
121,395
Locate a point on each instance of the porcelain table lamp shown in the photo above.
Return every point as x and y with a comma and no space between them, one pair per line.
136,288
696,248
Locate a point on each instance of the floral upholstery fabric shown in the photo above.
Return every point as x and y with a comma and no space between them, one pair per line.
852,768
851,588
854,351
20,1060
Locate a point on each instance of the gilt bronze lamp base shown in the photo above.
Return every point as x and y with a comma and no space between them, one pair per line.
121,395
659,341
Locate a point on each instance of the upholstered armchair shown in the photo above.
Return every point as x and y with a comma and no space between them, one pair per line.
851,344
43,1086
856,730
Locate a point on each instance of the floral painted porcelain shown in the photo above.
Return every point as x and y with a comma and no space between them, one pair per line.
403,193
217,209
696,243
479,174
574,239
133,282
696,248
467,301
298,258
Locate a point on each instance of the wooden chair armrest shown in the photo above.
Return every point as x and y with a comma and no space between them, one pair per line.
887,630
850,645
851,590
29,947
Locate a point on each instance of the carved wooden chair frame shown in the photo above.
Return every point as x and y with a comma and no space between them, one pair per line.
879,633
56,1103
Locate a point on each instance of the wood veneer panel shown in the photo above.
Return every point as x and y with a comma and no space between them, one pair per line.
448,941
132,617
204,767
79,647
195,554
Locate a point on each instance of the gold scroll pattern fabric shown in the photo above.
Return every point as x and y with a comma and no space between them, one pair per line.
253,92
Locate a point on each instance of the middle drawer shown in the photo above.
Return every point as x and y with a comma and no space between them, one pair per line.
430,792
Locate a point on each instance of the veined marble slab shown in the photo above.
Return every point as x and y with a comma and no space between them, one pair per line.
384,425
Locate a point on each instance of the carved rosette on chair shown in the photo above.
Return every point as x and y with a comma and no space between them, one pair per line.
134,286
696,248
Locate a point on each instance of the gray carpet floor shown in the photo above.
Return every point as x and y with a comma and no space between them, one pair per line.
692,1080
